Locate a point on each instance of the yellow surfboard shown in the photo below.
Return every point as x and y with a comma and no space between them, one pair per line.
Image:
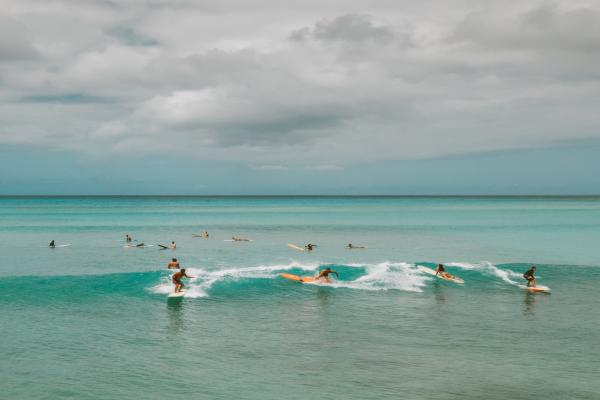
297,278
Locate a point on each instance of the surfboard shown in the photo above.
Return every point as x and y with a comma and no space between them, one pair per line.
356,247
538,289
62,245
176,295
293,246
241,240
429,271
297,278
163,247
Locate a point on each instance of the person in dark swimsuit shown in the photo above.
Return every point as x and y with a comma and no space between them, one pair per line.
529,276
52,243
176,278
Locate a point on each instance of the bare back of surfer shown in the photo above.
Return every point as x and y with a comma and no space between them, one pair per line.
324,275
176,278
174,264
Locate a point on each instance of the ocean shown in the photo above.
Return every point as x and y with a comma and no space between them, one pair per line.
92,320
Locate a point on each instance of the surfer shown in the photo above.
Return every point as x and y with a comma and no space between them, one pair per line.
205,234
52,243
529,276
177,279
128,238
173,245
440,270
324,274
309,247
239,239
350,246
174,264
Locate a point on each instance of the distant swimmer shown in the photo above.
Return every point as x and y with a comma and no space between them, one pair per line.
128,238
310,246
52,243
173,245
324,275
174,264
177,279
529,276
205,234
440,270
351,246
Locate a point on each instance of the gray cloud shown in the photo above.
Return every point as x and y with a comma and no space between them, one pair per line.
400,80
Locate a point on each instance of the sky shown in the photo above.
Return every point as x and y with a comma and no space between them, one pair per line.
299,97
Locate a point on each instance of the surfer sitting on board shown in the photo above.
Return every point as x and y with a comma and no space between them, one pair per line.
174,264
440,270
173,245
52,243
128,238
325,274
529,276
309,247
177,279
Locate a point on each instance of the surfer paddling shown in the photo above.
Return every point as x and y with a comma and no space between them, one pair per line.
174,264
529,276
176,278
310,246
324,275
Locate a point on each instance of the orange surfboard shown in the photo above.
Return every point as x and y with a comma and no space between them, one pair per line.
297,278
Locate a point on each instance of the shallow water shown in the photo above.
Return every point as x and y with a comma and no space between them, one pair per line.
92,320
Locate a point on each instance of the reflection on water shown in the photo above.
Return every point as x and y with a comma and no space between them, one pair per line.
529,302
175,313
438,292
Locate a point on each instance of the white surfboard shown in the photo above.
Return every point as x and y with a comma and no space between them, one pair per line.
293,246
178,294
430,271
241,240
63,245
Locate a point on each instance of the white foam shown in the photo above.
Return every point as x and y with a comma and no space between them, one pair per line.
488,268
382,276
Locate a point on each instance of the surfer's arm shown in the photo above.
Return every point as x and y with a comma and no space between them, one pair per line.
336,274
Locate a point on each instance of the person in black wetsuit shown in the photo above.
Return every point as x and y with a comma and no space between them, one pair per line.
529,276
52,243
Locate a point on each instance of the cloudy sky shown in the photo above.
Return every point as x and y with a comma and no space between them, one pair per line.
284,97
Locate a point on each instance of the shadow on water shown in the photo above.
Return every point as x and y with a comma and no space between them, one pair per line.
175,313
529,302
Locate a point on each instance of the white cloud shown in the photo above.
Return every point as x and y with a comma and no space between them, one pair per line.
296,85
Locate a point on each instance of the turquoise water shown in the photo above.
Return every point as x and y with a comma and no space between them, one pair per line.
92,320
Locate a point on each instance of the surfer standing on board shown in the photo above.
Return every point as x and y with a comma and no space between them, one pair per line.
174,264
324,275
176,278
529,276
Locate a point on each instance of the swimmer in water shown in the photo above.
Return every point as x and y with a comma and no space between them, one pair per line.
52,243
174,264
